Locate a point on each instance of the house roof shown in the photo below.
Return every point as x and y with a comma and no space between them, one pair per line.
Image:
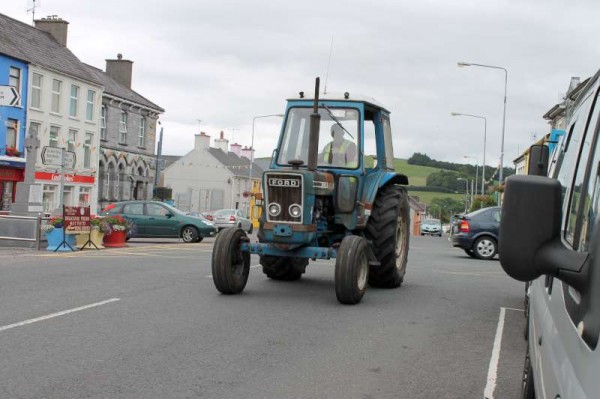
27,43
416,205
236,165
116,89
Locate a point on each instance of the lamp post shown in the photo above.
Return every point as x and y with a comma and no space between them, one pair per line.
484,141
158,161
252,147
474,191
467,192
467,64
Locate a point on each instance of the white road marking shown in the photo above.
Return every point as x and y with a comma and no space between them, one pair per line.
251,267
62,313
488,393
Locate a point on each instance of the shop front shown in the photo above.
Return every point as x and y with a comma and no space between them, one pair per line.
10,175
78,190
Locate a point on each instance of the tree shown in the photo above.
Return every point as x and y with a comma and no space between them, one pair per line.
482,201
445,207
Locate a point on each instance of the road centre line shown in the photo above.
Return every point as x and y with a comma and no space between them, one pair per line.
251,267
61,313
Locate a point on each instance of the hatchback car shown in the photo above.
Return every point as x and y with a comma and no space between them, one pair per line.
432,227
153,219
232,218
477,232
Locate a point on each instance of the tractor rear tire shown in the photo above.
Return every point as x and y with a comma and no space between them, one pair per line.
230,266
351,270
283,268
389,231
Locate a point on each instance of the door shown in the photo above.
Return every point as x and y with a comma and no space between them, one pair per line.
160,221
135,213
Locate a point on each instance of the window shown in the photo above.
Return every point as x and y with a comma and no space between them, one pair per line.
72,143
89,109
68,196
568,163
155,210
103,123
123,128
134,209
73,101
14,78
12,129
36,90
142,133
56,90
84,196
34,128
54,131
87,149
49,197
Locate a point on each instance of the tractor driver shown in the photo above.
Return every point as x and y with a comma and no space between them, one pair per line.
339,152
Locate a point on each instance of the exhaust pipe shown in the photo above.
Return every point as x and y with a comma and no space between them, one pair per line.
313,136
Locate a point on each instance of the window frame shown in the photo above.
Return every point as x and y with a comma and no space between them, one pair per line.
142,133
72,142
74,101
123,128
18,77
87,150
89,107
56,139
14,127
56,96
103,113
36,91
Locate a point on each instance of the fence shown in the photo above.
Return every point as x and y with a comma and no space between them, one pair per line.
21,229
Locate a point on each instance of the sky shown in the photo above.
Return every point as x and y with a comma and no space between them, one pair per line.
216,65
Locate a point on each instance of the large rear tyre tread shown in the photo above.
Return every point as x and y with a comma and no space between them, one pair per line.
230,266
351,270
283,268
388,229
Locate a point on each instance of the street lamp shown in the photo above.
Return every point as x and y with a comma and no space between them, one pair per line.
484,140
474,191
467,192
467,64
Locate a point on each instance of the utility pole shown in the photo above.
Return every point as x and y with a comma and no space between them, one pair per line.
158,161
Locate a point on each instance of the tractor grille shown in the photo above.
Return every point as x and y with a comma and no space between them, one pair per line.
284,189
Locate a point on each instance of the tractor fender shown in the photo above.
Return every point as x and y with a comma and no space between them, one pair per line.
373,183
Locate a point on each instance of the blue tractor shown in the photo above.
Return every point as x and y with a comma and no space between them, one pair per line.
325,198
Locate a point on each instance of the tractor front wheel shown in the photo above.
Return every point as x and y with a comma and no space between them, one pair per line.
351,270
388,229
283,267
230,265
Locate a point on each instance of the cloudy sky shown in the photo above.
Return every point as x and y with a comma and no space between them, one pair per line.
225,62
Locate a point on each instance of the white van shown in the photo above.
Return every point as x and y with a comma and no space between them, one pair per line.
550,235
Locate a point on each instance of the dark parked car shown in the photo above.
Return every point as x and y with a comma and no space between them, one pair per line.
153,219
477,232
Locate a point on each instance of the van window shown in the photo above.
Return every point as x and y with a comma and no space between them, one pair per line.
568,162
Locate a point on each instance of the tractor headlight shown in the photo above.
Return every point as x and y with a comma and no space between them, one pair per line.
295,210
274,209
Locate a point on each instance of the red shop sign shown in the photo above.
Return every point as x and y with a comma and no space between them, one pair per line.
55,177
77,219
8,174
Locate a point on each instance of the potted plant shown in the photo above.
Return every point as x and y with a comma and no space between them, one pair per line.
98,227
12,152
54,230
116,235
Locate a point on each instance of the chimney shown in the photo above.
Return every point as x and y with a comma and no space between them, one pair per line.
120,70
56,27
221,143
247,151
201,141
236,149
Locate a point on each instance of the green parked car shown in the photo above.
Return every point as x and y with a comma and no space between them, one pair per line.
153,219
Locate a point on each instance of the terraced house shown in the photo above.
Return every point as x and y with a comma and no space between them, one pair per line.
128,124
62,106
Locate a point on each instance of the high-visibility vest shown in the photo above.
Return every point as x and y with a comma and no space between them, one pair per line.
328,153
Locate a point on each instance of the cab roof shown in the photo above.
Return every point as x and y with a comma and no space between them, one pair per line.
342,97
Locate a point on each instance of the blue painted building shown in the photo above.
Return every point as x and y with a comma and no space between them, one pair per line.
13,72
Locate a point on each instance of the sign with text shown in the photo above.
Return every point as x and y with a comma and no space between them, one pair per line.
9,96
77,219
53,155
69,178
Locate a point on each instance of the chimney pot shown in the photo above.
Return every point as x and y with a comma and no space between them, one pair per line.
120,70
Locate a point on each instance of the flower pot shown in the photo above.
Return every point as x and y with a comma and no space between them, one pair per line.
116,239
55,238
96,238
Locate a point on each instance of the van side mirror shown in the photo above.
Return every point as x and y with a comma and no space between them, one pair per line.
530,232
539,155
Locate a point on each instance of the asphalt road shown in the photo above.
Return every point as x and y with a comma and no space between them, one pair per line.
147,322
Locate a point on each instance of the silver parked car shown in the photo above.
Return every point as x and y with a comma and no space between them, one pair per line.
431,227
232,218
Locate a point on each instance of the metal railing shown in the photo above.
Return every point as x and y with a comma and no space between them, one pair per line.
12,226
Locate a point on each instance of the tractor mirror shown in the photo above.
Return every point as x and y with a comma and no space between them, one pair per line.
345,199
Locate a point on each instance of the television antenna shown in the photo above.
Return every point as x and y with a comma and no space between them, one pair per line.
328,64
31,6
